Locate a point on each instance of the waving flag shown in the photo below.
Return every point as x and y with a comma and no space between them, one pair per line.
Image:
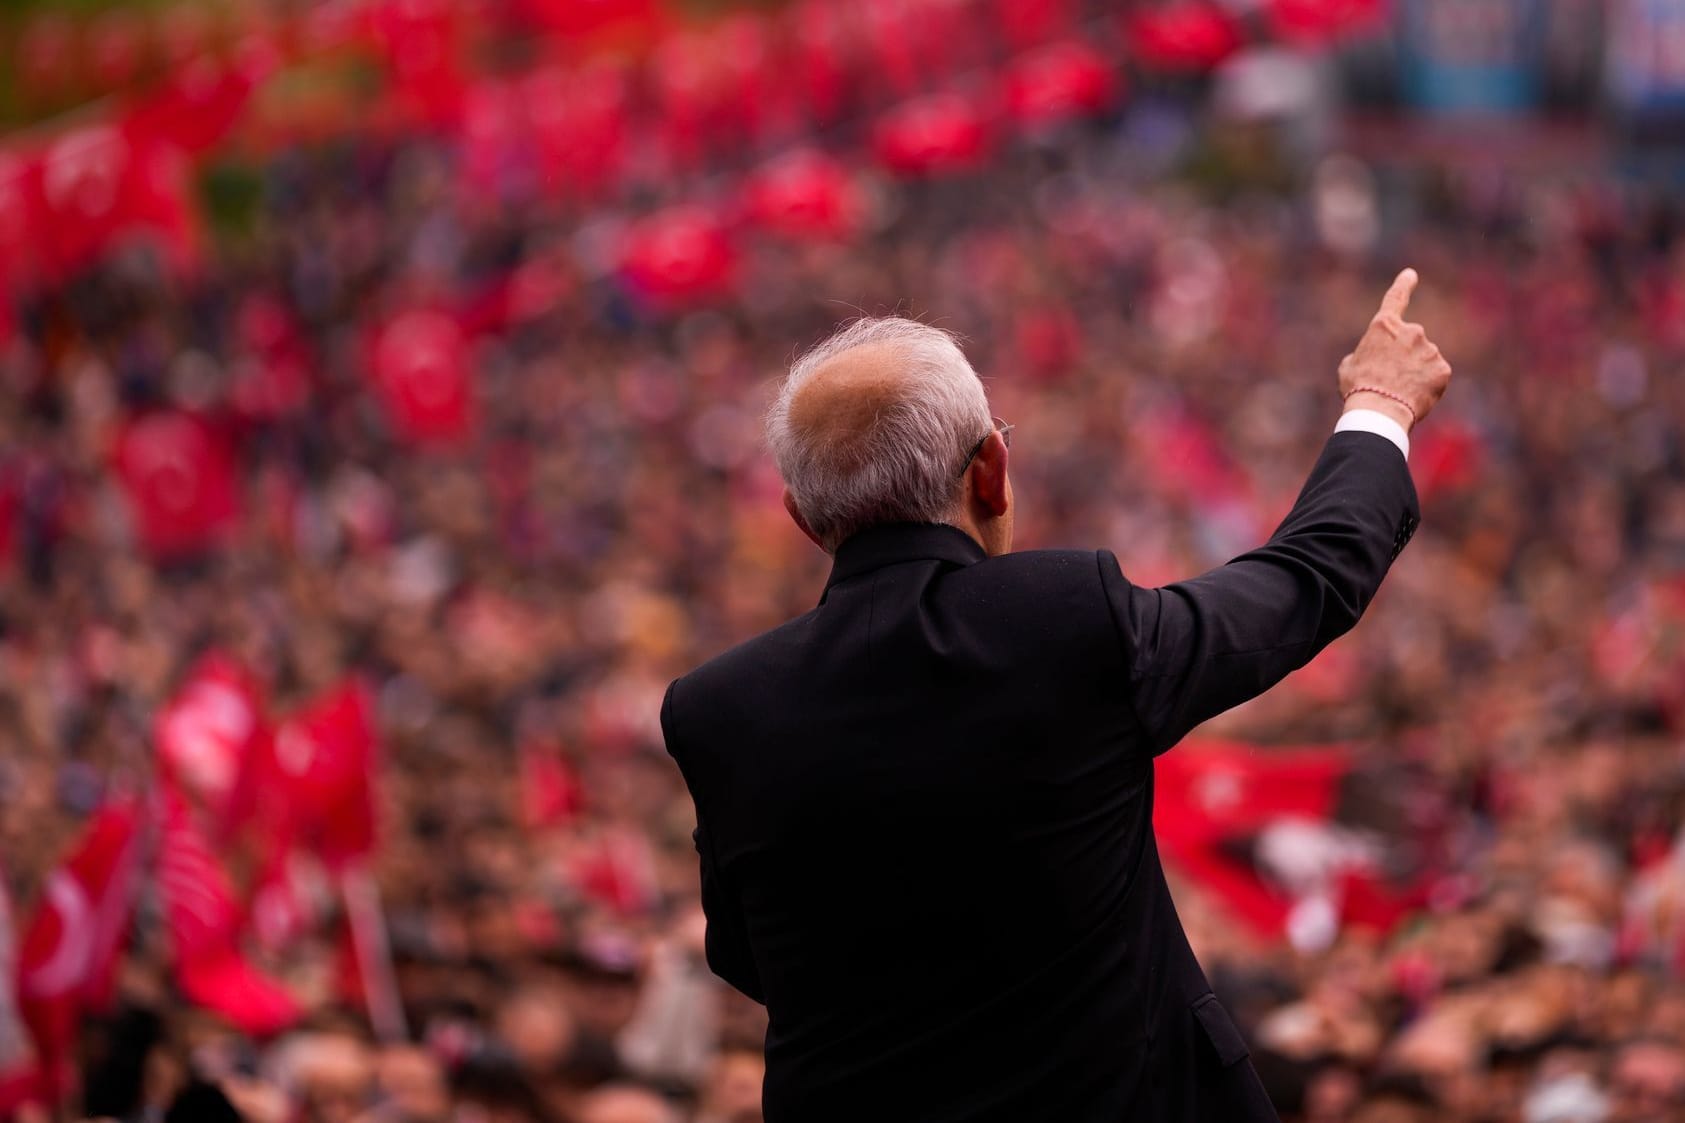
1182,36
804,194
204,927
1058,83
1257,829
679,255
68,959
322,772
206,733
178,474
422,374
932,135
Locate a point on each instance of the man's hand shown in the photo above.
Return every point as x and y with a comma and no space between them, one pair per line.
1396,369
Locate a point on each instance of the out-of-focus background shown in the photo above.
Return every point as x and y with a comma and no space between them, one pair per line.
380,385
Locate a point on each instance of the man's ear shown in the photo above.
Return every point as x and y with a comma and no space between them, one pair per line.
796,517
986,478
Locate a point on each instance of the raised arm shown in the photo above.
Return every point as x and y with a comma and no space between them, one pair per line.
1196,648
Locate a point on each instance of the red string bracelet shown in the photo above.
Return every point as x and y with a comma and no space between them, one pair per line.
1385,394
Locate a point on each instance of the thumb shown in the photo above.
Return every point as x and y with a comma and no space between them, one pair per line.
1398,297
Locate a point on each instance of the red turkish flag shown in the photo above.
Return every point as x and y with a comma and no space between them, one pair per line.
20,222
804,194
278,912
1057,83
1212,797
1027,23
83,186
932,135
207,731
1446,459
597,20
579,124
423,43
551,789
1319,22
179,476
1182,36
202,101
617,869
679,255
823,57
204,926
322,771
492,132
96,186
69,954
422,377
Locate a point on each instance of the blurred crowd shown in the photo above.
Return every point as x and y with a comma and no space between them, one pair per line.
1166,347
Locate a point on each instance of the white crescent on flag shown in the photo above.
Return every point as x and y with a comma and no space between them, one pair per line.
66,965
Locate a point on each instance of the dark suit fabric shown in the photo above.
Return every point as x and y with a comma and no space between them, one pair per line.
925,812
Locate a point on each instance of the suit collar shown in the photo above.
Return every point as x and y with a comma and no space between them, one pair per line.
879,546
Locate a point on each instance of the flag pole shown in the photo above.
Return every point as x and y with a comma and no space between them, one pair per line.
374,953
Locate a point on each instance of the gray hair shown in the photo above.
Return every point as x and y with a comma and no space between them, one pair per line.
905,466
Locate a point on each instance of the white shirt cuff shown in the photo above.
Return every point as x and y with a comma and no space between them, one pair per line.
1376,422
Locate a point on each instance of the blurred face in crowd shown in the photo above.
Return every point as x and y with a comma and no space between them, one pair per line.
334,1076
413,1083
1648,1083
623,1104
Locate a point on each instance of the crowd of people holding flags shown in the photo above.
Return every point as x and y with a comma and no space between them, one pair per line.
345,554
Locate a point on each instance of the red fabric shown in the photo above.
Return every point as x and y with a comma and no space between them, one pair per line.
1056,83
1208,792
1185,35
492,131
68,957
201,102
82,186
203,920
932,135
322,771
1445,458
579,125
1209,795
597,20
277,913
822,55
207,732
617,870
804,194
551,789
678,256
423,43
423,378
1318,22
97,185
20,222
180,480
1026,23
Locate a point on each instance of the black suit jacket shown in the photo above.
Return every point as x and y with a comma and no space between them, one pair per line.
925,812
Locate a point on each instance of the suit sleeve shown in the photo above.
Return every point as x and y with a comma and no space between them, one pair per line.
1199,647
727,940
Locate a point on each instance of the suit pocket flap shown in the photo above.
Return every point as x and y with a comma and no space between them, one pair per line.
1220,1028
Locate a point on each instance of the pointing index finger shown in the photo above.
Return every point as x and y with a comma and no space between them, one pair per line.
1398,297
